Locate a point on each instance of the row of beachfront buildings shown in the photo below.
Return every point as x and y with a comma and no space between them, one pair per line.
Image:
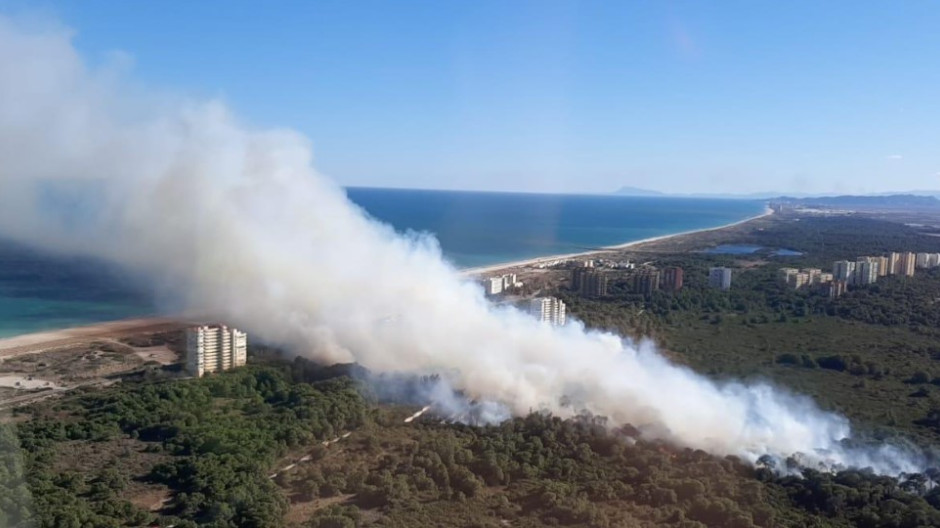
647,280
591,281
502,284
860,272
549,310
591,278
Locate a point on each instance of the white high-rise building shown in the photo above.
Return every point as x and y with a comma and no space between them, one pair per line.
814,275
866,271
548,310
784,274
719,278
921,260
214,349
906,264
877,262
883,270
494,285
798,280
894,263
843,270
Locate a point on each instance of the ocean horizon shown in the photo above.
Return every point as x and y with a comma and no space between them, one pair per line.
481,228
39,291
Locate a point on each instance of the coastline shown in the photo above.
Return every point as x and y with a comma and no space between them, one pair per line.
38,341
482,270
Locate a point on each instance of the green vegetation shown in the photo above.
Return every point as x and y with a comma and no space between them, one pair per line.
217,439
872,354
542,471
267,445
215,452
824,239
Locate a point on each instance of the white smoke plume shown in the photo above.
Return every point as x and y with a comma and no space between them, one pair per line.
236,223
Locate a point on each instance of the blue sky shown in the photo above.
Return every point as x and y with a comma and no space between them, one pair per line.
559,96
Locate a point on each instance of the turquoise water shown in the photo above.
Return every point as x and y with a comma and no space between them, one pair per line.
40,291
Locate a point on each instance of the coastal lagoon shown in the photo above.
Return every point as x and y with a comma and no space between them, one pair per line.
41,292
746,249
733,249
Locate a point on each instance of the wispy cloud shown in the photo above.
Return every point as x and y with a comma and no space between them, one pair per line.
894,156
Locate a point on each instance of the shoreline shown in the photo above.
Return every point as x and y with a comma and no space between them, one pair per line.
38,341
481,270
34,341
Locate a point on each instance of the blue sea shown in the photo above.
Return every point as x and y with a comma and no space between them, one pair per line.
40,291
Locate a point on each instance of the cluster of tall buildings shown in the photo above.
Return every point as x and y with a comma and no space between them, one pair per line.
497,285
648,280
866,270
589,281
927,260
214,349
860,272
592,282
800,278
549,310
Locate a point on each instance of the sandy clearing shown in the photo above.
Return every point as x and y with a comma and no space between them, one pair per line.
161,354
26,382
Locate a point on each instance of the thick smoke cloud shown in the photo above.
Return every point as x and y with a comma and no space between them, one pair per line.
235,223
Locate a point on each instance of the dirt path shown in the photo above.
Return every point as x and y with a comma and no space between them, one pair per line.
301,511
307,458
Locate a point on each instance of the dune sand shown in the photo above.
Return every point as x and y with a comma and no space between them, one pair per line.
39,341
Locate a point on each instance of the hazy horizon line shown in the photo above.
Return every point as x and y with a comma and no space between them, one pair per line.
652,193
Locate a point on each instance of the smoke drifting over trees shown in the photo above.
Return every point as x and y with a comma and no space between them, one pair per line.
236,223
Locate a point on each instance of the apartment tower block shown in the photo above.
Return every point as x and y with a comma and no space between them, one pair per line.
214,349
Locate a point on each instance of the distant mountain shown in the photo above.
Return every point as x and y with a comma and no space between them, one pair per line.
636,191
890,201
771,195
934,193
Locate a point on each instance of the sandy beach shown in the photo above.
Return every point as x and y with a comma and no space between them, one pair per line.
482,270
39,341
